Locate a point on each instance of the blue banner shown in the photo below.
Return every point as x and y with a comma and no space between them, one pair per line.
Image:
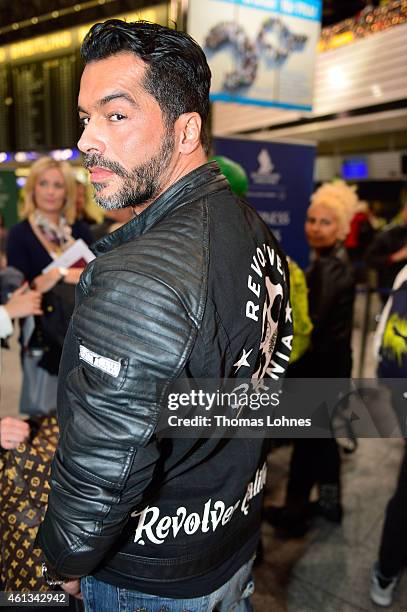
280,186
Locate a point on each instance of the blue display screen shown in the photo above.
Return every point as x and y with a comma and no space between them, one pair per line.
355,168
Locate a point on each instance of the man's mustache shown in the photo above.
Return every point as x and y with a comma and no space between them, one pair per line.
91,160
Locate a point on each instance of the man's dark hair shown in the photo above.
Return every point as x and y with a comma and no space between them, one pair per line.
177,75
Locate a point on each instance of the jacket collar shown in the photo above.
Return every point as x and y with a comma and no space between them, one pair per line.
201,181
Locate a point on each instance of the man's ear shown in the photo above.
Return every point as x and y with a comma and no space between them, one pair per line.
189,132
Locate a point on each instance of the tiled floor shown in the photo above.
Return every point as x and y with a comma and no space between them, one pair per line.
328,570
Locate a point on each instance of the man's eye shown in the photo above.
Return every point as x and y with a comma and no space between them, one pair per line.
83,121
116,117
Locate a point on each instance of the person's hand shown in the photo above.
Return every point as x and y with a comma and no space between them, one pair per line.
12,432
46,281
400,255
73,587
24,303
73,275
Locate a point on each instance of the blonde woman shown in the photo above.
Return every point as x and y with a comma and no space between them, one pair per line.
331,289
48,228
330,280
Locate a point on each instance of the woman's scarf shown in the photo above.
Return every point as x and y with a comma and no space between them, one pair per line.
58,235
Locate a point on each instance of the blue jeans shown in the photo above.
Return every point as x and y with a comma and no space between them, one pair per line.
233,596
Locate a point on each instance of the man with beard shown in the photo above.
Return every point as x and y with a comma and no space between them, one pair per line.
149,522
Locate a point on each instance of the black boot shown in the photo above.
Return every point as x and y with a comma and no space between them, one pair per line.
288,523
329,503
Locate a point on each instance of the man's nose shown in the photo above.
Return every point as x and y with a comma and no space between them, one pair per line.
91,140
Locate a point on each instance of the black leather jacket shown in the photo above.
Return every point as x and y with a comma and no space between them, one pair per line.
180,291
390,240
331,286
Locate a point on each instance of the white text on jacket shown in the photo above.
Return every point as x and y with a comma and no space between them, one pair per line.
156,529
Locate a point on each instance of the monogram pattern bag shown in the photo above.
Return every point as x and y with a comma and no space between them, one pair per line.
24,488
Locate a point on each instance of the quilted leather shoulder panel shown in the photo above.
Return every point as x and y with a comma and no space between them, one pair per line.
147,293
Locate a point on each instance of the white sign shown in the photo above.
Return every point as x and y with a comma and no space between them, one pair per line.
259,51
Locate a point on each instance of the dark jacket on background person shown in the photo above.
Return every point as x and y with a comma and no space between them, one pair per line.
387,242
331,293
26,253
194,287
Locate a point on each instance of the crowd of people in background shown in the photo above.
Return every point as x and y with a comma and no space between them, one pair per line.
342,241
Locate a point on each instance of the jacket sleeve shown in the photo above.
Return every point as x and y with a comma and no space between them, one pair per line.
130,332
6,326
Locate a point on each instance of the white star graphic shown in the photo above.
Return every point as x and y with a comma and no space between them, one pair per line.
288,311
243,360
